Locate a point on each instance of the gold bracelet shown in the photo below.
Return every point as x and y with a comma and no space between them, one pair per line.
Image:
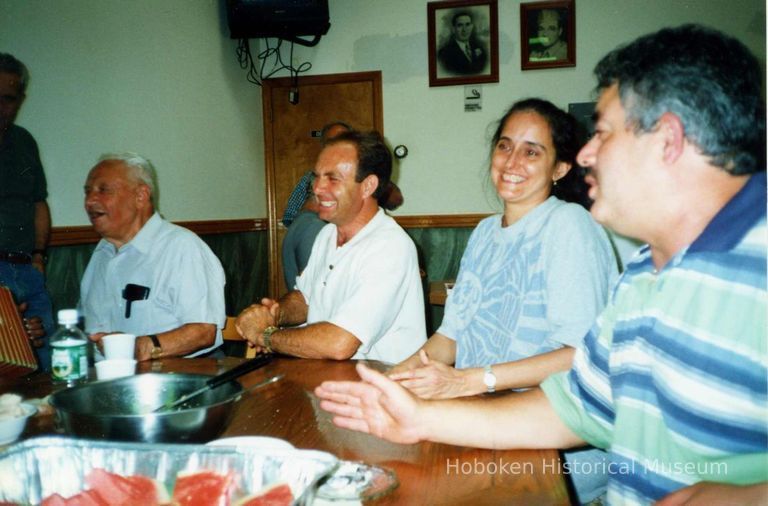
267,335
279,319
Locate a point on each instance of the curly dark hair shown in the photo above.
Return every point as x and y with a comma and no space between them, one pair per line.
563,128
709,80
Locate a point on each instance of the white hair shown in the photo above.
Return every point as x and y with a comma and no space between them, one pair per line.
139,168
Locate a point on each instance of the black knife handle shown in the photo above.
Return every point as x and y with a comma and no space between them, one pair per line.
237,371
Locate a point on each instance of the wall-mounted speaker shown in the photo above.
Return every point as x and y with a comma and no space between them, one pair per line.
286,19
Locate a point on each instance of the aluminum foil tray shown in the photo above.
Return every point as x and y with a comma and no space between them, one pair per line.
36,468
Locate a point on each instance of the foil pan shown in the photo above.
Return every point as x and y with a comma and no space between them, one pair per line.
36,468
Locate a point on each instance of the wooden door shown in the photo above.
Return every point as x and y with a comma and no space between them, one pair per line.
291,137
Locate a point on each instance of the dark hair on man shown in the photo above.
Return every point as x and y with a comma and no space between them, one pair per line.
709,80
11,65
564,131
458,14
373,156
330,126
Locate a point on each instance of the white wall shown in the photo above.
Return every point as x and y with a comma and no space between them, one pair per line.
156,77
161,78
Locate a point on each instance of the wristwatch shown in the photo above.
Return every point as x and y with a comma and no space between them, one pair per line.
157,350
489,379
267,336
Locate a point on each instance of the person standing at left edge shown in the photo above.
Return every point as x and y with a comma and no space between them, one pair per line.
25,220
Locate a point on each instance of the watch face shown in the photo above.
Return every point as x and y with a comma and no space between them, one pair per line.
489,379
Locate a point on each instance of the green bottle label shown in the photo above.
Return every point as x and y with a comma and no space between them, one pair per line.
69,360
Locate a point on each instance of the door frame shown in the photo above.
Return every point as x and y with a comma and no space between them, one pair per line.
374,77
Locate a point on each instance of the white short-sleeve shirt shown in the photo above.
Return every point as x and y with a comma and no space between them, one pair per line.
184,277
370,287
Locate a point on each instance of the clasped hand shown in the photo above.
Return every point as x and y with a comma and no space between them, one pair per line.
433,380
255,318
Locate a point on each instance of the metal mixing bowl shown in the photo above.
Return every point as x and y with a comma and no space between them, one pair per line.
121,409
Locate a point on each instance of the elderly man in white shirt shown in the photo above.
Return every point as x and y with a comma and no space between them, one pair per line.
147,276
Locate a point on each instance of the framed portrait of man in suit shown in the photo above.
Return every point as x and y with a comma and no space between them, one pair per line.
463,43
548,34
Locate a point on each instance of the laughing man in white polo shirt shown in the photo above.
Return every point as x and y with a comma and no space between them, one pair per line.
360,295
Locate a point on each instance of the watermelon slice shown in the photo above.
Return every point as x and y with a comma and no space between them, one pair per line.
117,490
149,490
54,500
277,495
85,498
109,489
203,488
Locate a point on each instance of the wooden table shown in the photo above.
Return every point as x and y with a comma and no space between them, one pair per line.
429,473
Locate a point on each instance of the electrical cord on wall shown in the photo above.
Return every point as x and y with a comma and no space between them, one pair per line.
257,75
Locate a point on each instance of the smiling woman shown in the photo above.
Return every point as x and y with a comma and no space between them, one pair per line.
531,280
524,165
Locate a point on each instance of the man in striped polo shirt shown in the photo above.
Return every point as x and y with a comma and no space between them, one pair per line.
672,378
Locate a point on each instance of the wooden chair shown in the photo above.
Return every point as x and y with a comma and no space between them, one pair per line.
229,333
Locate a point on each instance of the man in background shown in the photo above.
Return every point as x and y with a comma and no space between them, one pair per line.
360,294
672,380
147,276
462,54
25,220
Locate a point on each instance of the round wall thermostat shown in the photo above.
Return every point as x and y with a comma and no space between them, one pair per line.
401,151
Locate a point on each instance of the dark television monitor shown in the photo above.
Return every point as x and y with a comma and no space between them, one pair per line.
250,19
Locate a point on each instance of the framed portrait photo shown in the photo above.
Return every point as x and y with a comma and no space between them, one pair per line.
463,43
548,34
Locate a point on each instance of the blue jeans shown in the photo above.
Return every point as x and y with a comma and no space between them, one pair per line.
27,284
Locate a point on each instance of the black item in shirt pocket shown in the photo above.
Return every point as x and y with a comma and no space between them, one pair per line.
132,293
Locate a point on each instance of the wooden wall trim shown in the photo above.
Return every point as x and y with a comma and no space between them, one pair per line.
440,221
67,236
225,226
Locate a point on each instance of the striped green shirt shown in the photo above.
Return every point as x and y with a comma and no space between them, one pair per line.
673,378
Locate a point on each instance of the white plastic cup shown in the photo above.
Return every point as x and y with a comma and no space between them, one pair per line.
118,346
115,368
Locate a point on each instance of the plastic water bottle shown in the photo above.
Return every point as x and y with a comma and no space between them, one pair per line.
69,345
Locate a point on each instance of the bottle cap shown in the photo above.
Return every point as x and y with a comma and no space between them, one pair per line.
67,316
